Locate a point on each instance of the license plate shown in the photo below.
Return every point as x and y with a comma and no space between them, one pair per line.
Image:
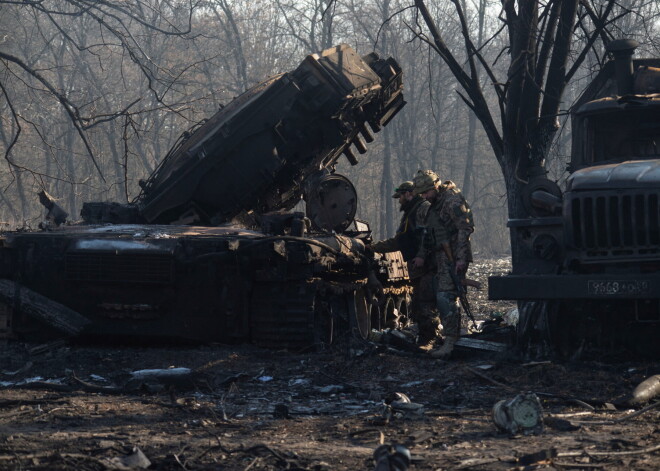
618,287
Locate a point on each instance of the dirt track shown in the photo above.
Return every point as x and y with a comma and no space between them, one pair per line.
244,408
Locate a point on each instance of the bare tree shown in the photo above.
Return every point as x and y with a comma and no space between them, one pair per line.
546,43
68,69
310,22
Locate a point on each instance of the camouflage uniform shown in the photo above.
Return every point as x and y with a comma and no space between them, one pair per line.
408,240
451,216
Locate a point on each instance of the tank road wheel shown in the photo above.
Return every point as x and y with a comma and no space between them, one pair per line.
376,318
403,305
390,314
359,320
290,315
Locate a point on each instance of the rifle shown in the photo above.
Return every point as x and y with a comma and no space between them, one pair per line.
458,283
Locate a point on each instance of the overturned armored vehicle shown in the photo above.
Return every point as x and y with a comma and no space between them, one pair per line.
589,274
176,264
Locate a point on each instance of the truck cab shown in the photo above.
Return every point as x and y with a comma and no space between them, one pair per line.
590,269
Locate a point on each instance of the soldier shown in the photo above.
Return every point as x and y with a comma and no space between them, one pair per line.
448,228
408,240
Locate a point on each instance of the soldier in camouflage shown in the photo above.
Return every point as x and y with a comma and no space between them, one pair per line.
449,225
408,240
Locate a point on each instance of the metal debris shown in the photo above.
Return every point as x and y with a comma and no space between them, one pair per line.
477,344
137,459
400,406
646,390
392,458
522,414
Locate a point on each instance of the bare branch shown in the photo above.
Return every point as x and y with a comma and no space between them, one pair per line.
69,107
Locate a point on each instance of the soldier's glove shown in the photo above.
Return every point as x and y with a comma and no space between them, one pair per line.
418,262
461,267
373,283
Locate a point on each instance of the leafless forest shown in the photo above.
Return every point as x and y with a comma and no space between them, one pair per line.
93,94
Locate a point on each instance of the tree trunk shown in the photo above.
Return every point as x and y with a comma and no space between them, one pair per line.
514,189
469,160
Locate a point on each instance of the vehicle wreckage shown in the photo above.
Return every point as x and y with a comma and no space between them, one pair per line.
197,257
589,270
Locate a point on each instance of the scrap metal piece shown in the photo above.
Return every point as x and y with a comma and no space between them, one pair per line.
392,458
522,414
136,460
56,215
36,306
646,390
477,344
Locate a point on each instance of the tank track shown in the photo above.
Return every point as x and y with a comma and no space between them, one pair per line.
283,315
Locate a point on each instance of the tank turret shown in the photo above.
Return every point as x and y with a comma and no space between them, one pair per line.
254,154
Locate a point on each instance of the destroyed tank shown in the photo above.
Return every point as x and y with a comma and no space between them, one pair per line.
589,272
211,250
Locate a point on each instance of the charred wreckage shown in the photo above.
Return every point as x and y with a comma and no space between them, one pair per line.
174,264
589,271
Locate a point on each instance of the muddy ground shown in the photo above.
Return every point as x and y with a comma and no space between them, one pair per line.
72,407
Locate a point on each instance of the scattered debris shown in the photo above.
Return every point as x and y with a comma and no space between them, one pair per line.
47,347
625,418
19,371
36,306
478,344
160,374
392,458
400,406
646,390
562,425
330,389
537,363
155,379
137,459
522,414
281,411
491,380
538,458
511,317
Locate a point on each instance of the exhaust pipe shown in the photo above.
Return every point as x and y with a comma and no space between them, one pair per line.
623,49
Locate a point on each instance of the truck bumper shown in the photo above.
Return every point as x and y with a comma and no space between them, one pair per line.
546,287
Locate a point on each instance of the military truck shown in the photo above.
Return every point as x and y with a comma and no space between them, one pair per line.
589,270
211,250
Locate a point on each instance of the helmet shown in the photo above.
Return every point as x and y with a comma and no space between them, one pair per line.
426,180
405,186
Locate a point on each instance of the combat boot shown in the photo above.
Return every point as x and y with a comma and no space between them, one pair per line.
444,352
426,344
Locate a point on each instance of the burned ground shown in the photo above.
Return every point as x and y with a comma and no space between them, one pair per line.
241,407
